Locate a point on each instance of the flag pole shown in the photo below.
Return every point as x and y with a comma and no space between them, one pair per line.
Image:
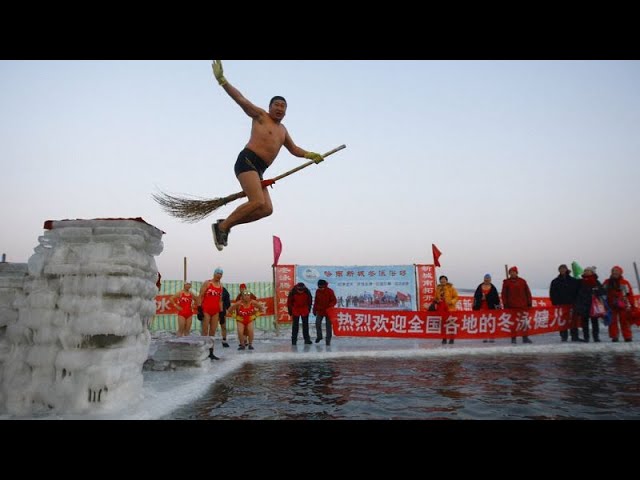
275,302
417,289
184,267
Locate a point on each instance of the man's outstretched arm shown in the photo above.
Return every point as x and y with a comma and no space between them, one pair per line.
300,152
248,107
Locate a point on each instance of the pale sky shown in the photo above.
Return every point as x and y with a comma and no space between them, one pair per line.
527,163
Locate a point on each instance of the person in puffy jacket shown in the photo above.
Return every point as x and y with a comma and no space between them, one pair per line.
446,296
325,298
299,307
516,295
590,287
620,299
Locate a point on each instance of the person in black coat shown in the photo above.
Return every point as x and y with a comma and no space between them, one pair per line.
486,297
590,287
226,303
564,291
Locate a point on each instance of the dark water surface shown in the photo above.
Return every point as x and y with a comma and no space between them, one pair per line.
549,386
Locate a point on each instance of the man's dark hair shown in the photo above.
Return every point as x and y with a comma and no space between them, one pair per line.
277,97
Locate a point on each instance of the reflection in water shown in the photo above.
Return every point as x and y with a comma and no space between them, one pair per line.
549,386
313,395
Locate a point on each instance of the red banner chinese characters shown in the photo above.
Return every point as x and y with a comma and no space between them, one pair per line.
285,280
465,303
423,324
426,282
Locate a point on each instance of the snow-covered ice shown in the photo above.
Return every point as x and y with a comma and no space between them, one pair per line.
165,391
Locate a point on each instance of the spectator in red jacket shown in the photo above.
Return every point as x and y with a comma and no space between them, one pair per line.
516,295
620,299
325,298
299,306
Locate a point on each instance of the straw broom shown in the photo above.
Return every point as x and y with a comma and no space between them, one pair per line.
194,209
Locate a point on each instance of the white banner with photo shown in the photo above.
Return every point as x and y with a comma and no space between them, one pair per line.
380,287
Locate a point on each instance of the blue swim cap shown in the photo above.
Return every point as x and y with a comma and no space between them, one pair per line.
218,270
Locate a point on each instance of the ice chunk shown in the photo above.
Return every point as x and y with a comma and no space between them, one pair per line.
76,327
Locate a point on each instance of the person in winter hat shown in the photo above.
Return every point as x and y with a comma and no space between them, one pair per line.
590,288
486,297
563,291
446,295
516,296
325,299
620,300
299,306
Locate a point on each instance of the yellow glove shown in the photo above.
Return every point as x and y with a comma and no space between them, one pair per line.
316,157
217,72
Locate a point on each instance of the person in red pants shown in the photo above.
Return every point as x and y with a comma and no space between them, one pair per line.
620,298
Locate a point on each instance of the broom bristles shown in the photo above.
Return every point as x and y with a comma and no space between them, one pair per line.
189,210
197,208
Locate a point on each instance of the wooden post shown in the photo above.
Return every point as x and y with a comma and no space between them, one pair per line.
635,267
185,270
506,271
417,291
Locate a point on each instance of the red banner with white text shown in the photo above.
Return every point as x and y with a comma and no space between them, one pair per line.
285,276
424,324
465,303
426,283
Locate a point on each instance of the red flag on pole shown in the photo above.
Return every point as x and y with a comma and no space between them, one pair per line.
436,255
277,249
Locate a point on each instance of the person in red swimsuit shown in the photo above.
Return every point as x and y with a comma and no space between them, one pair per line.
184,301
210,300
243,287
246,311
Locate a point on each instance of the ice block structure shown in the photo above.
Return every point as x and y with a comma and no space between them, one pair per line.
12,277
81,335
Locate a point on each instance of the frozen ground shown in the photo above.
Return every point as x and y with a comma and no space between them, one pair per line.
165,391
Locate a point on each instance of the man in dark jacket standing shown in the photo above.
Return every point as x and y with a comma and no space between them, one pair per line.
299,306
226,303
563,291
325,298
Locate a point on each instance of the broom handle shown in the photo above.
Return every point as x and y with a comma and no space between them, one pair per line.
300,167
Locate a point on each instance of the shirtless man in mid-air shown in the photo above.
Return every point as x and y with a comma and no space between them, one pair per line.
268,135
